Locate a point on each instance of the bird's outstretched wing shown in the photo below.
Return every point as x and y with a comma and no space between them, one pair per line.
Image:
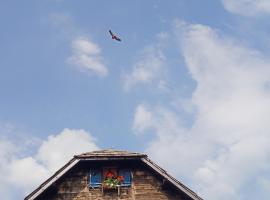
111,33
118,39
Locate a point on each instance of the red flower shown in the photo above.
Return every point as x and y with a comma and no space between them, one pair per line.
109,175
120,178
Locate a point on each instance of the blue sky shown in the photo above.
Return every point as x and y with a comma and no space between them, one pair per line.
190,80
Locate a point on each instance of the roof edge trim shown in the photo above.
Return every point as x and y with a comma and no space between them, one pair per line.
175,182
52,179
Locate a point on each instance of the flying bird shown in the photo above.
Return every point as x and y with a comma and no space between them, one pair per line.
114,37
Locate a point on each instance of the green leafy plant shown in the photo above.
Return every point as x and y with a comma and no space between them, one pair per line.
112,181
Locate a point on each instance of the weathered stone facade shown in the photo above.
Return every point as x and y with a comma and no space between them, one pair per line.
145,186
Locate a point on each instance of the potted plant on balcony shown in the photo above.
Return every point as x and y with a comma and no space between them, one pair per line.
112,181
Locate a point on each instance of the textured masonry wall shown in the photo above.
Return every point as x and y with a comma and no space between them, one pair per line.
145,186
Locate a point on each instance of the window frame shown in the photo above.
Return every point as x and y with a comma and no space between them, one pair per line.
95,184
119,172
126,170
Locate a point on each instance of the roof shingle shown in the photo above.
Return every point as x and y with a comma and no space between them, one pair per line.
109,153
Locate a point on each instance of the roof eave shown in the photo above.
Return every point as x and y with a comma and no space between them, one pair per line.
52,179
109,157
172,180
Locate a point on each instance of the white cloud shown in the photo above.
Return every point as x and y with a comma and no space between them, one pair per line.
86,57
143,119
247,7
26,173
264,184
84,46
7,149
151,68
172,141
58,149
226,146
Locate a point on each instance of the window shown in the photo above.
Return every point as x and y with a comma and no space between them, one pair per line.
126,173
95,178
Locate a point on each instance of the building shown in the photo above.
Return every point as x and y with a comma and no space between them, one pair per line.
110,174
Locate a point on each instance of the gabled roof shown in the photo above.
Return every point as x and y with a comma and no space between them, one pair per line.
111,155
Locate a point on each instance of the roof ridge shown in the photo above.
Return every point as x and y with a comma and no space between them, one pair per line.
110,153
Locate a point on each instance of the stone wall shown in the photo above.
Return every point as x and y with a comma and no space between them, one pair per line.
145,186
